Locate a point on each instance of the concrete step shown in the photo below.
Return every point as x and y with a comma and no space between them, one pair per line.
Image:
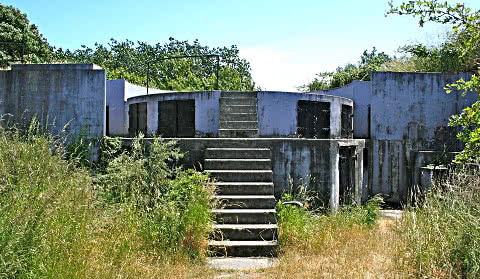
245,232
242,175
233,94
238,117
238,133
247,201
238,109
238,101
238,153
243,248
238,164
245,216
244,188
238,124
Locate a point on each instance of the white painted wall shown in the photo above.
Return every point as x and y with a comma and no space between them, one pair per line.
277,112
118,92
207,111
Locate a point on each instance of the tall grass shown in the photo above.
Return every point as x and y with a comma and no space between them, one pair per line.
45,206
350,243
442,236
143,216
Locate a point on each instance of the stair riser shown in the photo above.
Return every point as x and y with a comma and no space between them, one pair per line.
245,190
237,154
243,177
238,95
237,165
238,117
248,203
238,133
245,218
238,101
238,125
238,109
242,251
246,234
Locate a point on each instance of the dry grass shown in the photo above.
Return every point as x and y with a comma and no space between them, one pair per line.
355,252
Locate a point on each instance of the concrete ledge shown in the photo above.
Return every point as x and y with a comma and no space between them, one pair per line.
50,67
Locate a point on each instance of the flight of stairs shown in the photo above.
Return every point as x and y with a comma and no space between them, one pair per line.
238,115
246,221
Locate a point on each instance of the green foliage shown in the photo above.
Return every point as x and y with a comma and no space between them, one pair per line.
299,226
461,50
460,53
128,60
44,207
443,235
15,28
469,121
174,204
369,62
144,210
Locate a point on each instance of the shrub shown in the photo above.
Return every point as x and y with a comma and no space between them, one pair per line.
173,204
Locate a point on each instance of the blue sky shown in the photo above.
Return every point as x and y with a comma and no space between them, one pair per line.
286,42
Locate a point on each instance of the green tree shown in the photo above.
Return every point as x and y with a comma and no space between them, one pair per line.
128,60
466,29
15,32
369,62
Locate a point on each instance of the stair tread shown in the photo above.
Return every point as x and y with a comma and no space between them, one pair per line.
238,129
237,148
243,211
245,197
239,160
241,171
242,243
243,97
221,183
246,226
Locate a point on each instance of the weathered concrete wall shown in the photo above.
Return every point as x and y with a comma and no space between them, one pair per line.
410,112
207,110
116,106
57,93
118,92
360,92
277,112
312,162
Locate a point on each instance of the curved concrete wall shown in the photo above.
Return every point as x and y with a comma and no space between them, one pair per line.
207,111
277,112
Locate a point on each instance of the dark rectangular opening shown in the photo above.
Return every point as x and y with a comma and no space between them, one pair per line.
313,119
346,168
347,122
176,118
137,119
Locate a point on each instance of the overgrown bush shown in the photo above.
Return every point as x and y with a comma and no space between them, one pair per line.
442,236
173,203
144,217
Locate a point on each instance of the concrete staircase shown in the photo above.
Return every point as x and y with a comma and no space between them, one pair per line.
238,115
246,219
